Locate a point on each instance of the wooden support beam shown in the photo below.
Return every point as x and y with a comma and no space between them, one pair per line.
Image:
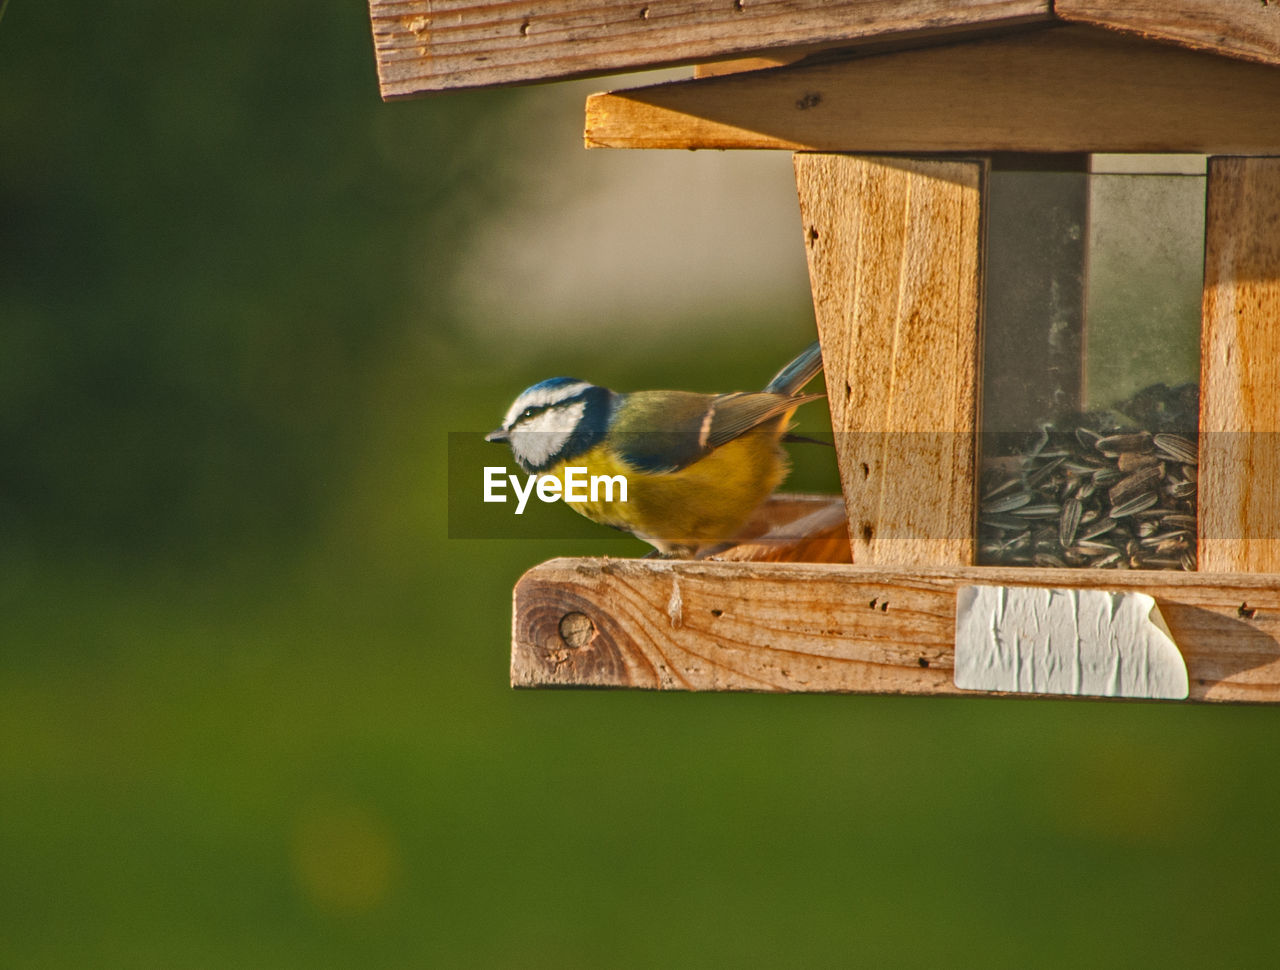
1065,89
1240,28
826,628
437,45
894,248
1240,368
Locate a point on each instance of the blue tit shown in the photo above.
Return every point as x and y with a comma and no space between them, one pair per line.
696,465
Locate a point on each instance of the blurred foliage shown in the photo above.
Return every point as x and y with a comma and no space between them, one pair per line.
214,236
253,704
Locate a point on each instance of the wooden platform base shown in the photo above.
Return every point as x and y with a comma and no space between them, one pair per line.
841,628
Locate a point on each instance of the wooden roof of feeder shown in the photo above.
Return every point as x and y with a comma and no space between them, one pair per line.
1194,76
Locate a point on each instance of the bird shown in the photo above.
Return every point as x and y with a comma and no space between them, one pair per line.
696,465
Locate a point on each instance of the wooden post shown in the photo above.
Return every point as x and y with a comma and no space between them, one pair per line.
894,249
1240,368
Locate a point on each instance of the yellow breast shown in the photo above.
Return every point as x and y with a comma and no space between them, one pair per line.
706,502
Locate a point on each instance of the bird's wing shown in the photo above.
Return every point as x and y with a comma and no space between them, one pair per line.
734,415
691,425
661,431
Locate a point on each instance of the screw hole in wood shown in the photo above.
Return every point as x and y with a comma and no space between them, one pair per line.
576,630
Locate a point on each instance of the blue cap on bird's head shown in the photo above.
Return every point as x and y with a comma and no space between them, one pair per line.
550,384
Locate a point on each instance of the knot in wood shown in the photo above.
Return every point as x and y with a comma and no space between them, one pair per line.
576,630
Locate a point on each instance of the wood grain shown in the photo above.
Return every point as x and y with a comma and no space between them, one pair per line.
1239,28
436,45
894,248
798,627
1240,368
1065,89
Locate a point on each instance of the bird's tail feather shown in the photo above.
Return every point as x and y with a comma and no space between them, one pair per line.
792,378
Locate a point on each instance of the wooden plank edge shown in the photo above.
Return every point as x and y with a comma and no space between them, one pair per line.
810,54
411,61
794,627
1225,31
904,101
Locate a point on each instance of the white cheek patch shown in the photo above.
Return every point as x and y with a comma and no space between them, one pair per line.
536,440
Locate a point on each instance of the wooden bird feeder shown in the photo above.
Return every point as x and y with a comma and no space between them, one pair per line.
901,115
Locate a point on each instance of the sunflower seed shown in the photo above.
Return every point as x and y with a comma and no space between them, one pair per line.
1178,448
1094,548
1136,504
1002,488
1069,523
1086,437
1116,443
1134,484
1036,511
1004,523
1006,503
1042,440
1131,461
1040,474
1094,529
1157,539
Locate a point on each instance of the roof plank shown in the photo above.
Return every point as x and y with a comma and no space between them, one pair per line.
1236,28
435,45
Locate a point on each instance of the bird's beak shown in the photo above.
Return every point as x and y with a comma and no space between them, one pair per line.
499,436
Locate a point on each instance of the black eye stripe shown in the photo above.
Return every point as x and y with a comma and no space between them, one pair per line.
534,410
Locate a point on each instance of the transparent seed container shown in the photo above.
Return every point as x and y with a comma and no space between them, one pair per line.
1091,363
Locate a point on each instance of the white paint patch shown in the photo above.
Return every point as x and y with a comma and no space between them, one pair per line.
1084,642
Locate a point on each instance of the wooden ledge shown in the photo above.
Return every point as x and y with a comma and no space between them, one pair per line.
839,628
1060,89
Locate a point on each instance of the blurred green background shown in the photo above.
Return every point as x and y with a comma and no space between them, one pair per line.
253,702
